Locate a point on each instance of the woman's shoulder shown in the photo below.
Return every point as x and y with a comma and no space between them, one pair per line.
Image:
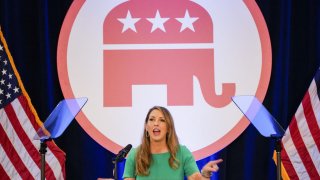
184,149
134,149
184,154
182,146
132,152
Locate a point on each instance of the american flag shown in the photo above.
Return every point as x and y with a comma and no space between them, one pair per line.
19,153
301,142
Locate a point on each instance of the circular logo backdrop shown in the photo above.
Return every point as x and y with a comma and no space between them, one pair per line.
189,56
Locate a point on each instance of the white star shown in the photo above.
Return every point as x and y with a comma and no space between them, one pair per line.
0,101
157,22
4,71
1,91
2,81
1,48
10,76
5,62
187,21
16,89
8,95
9,86
128,22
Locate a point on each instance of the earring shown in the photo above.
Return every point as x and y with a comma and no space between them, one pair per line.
147,134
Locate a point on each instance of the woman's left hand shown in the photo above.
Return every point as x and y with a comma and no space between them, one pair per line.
210,167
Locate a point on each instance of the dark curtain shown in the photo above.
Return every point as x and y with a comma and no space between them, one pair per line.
32,28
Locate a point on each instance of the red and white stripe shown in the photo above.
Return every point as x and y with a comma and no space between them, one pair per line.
301,142
20,158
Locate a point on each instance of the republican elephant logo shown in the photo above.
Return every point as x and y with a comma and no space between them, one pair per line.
155,43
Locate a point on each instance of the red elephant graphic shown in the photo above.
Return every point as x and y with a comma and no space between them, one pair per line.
165,42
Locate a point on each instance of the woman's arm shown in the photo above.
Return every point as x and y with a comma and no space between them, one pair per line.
195,176
206,171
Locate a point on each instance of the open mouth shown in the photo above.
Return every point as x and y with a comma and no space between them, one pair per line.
156,131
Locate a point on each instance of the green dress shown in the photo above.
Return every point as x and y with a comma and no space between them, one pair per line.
160,168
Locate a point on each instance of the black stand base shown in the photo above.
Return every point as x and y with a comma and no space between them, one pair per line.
278,153
43,150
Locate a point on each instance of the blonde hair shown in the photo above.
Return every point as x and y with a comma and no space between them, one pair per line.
143,156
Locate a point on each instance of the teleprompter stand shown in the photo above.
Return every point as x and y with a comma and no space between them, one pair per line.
263,121
56,123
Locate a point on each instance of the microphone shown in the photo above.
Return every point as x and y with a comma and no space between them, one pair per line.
122,153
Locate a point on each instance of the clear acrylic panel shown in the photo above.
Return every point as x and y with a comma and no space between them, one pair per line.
259,116
60,118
